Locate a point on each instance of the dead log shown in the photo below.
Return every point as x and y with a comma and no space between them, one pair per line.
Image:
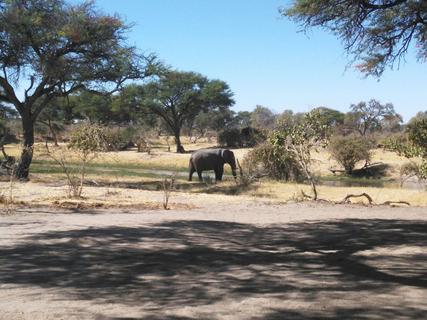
367,196
391,203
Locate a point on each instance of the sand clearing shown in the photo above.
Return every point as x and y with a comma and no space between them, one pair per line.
222,260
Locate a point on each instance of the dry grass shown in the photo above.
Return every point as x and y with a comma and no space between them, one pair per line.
324,162
161,158
292,192
13,149
108,187
198,194
289,191
139,195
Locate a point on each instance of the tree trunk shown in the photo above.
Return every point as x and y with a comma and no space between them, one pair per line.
313,189
179,147
23,168
53,133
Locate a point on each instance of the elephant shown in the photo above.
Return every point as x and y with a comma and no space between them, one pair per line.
211,159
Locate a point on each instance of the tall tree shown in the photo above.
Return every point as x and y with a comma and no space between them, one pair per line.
178,96
299,140
376,32
53,117
330,117
125,109
368,117
215,120
418,116
288,119
262,118
243,119
54,49
94,107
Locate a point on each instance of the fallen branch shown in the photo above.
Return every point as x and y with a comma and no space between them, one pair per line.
391,203
305,195
334,171
370,165
367,196
245,179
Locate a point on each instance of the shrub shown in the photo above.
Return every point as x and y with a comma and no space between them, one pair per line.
349,150
89,138
119,139
272,161
408,170
230,138
86,141
299,140
250,137
412,145
245,137
417,134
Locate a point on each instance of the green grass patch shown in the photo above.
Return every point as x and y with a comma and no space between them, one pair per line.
46,167
346,181
110,165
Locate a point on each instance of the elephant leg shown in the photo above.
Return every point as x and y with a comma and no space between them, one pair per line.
192,170
199,173
218,173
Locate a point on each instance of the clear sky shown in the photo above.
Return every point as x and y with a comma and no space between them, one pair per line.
262,56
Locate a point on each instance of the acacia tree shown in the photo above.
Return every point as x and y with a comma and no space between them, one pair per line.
368,117
215,120
93,107
52,118
50,48
299,140
126,109
376,32
262,118
243,119
177,97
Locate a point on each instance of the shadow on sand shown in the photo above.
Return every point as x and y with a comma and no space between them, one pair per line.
201,263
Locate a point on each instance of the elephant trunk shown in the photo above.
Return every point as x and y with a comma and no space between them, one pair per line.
233,169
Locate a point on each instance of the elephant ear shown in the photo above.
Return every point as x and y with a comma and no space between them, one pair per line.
227,155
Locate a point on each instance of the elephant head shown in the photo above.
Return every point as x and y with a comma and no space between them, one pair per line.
228,157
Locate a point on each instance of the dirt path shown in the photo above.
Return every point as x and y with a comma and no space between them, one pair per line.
248,260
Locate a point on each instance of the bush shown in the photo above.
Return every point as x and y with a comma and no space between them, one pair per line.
86,141
274,162
412,145
119,139
89,138
230,138
349,150
250,137
6,134
245,137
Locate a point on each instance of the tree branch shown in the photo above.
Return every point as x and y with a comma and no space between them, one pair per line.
370,5
9,92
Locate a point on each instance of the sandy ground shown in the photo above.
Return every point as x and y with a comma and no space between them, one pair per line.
228,258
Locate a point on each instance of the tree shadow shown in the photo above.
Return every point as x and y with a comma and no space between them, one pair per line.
345,313
199,263
374,171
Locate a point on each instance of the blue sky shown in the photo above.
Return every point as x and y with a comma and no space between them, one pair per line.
262,56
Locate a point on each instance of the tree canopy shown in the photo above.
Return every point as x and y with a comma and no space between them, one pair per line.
262,118
179,96
368,117
378,33
54,49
